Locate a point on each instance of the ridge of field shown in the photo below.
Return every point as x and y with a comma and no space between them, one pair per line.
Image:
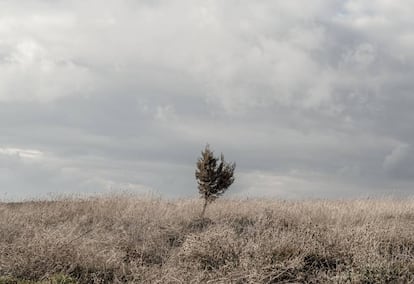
128,239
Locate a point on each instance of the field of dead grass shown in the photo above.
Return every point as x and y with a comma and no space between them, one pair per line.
127,239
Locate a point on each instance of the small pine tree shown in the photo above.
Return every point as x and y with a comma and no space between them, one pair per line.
213,176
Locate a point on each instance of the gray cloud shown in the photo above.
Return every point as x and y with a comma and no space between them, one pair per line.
309,101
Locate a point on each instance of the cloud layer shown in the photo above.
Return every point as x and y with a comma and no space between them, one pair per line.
310,100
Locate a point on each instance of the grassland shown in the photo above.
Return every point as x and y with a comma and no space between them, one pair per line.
125,239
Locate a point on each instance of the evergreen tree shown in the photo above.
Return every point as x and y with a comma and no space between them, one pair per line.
214,176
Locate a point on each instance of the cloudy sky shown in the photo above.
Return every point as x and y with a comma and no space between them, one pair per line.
309,98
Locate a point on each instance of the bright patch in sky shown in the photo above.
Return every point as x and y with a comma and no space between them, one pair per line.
23,153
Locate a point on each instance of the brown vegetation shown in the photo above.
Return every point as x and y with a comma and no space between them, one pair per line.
127,239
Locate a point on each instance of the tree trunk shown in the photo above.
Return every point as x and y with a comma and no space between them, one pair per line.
204,208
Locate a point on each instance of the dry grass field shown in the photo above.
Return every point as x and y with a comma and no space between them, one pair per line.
126,239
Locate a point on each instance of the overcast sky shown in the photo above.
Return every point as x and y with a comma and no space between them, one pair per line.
309,98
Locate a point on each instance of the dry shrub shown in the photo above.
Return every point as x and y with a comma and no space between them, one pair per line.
212,249
242,224
198,224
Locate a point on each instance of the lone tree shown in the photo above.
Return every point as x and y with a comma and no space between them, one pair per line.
213,176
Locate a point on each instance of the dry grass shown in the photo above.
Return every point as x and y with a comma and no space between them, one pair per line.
126,239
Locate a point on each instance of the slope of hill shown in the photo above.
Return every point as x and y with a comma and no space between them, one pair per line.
125,239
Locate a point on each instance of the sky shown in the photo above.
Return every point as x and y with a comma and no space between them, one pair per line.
311,99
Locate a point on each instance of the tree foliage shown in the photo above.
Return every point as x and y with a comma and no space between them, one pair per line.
214,176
